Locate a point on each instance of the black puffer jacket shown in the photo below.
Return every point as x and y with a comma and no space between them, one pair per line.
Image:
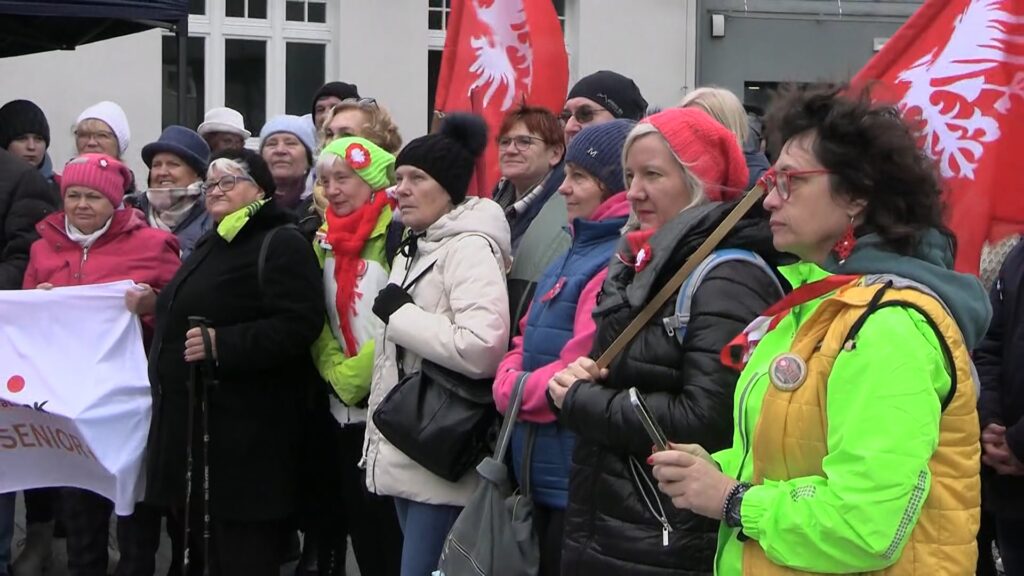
25,198
612,523
1001,372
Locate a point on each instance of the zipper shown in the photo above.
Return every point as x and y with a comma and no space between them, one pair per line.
741,419
637,472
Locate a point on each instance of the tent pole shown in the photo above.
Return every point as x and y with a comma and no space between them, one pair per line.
181,30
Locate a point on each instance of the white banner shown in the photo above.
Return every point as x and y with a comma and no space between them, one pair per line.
75,400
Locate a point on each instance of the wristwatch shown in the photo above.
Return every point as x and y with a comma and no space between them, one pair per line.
732,506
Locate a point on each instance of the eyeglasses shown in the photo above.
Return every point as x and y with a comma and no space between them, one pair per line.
226,183
521,142
782,180
583,114
362,102
101,136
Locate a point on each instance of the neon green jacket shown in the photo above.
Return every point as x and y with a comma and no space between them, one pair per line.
349,374
883,410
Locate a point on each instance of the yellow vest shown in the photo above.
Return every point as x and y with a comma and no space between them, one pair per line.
790,440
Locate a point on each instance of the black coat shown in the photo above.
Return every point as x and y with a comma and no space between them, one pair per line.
25,198
265,370
1000,362
610,528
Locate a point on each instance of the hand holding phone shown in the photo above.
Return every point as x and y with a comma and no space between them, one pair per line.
648,421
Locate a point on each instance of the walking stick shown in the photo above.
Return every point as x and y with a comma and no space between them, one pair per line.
203,377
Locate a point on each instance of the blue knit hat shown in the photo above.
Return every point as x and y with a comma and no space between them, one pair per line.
183,143
598,150
300,127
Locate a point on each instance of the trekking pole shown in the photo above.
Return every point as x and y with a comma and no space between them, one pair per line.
194,380
208,380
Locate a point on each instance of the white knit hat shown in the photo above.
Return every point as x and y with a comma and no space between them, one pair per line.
223,120
114,116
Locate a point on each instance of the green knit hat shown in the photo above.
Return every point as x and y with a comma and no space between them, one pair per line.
375,165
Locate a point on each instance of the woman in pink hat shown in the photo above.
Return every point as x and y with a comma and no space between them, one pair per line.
683,172
95,240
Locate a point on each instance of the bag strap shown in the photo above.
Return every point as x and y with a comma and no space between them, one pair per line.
511,415
261,263
669,289
675,325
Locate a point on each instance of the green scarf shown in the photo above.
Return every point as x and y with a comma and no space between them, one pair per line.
233,223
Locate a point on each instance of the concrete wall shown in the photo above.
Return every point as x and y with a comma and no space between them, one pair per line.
651,41
63,83
798,41
394,70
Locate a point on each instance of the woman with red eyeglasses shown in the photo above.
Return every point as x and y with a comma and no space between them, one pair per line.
855,448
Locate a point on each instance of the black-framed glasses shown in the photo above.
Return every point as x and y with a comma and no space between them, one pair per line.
583,114
226,183
782,180
521,142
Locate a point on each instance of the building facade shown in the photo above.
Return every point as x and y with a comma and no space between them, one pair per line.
266,57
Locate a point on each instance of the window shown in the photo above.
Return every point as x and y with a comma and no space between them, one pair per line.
195,87
245,80
256,9
197,7
304,73
438,12
306,11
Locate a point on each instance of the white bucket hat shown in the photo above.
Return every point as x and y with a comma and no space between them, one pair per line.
223,120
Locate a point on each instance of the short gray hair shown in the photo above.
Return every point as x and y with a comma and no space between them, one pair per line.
231,166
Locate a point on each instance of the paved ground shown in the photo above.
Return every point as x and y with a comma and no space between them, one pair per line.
59,567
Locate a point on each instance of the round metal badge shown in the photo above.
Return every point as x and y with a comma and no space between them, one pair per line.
788,372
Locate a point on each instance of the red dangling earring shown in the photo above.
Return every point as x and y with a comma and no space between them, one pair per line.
844,247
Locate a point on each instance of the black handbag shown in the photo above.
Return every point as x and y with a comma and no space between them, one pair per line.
440,418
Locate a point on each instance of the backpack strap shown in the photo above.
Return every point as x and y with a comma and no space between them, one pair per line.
675,325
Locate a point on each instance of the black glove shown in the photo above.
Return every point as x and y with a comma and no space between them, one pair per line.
390,299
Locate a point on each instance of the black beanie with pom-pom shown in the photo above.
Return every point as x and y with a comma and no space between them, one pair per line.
450,154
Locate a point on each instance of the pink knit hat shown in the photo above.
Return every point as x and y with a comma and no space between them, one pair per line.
98,172
707,148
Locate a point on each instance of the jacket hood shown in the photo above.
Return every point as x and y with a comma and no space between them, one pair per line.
677,240
932,266
472,216
615,206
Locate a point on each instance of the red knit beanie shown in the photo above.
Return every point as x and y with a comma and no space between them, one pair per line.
708,149
98,172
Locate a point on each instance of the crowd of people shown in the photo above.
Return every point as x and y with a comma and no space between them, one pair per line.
814,377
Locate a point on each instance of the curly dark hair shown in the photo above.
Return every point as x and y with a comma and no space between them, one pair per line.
872,155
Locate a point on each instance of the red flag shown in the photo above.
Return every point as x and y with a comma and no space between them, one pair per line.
497,55
956,69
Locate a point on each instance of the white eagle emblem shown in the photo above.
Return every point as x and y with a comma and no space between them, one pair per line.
504,56
946,86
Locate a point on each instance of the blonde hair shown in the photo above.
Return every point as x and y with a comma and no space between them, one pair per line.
694,183
379,128
723,106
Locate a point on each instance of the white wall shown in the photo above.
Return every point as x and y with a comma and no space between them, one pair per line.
654,46
125,70
382,48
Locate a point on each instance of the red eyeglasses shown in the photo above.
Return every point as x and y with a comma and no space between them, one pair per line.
782,180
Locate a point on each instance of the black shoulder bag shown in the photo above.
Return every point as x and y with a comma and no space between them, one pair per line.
438,417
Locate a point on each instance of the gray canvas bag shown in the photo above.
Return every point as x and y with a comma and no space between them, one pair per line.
494,535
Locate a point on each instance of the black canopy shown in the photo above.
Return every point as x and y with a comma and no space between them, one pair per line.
28,26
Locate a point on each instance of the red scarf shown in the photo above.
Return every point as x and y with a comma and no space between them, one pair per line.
347,235
640,252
